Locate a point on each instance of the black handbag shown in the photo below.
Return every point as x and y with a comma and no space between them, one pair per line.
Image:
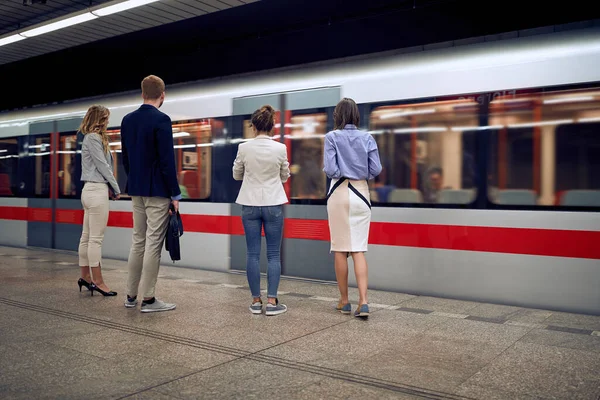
174,232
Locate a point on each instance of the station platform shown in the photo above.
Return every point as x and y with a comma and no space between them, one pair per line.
58,343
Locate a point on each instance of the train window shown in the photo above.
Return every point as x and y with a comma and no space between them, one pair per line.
427,152
305,135
9,164
192,144
67,185
114,146
545,149
39,148
193,152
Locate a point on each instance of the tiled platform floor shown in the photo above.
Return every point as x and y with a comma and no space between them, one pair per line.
57,343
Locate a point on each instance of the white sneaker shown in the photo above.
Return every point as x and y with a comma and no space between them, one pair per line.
157,306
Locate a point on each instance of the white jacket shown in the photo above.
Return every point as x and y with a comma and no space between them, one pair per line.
262,166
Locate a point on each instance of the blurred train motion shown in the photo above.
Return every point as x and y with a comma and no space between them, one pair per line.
490,188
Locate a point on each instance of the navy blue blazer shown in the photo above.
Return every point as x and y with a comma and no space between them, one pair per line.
148,155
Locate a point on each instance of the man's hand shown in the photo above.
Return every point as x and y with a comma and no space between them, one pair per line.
175,205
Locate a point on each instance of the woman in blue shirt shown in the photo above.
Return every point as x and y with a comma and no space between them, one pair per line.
351,158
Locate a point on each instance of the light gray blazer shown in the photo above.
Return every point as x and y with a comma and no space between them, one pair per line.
96,165
262,166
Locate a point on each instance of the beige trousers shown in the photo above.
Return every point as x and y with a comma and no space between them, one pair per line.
94,199
150,219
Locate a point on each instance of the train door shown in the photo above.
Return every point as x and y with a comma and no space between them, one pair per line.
242,112
54,219
308,117
305,117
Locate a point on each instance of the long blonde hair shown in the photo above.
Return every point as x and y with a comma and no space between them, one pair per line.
96,121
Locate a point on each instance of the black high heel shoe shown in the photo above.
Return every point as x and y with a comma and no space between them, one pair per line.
82,282
102,292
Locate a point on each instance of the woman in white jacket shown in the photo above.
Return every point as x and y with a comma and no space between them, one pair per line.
262,166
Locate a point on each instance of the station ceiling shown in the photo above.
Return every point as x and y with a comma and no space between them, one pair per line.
17,17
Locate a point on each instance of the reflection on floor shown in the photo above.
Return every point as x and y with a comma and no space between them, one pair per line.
59,343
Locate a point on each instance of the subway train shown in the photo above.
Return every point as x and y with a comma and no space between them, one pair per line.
490,189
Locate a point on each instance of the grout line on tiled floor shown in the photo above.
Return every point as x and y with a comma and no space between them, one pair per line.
495,358
253,356
178,378
396,306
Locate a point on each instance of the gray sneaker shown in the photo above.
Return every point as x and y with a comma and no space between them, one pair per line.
275,309
157,306
256,307
131,303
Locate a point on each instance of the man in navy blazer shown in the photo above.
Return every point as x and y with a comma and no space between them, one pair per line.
149,162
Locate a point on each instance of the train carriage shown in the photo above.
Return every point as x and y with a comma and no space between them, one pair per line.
490,189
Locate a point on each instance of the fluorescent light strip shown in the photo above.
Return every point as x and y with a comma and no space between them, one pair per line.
3,151
309,136
126,5
407,113
543,123
77,19
424,129
205,145
114,144
476,128
569,100
184,146
180,134
54,26
590,119
11,39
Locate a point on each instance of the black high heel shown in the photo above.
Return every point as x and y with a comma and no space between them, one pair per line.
82,282
102,292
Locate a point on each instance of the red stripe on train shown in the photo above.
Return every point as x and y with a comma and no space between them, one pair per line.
528,241
26,214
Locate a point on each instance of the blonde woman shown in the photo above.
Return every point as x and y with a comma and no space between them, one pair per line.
99,185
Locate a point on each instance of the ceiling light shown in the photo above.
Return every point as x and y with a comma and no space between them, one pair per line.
476,128
180,134
569,100
543,123
426,129
126,5
54,26
184,146
591,119
407,113
11,39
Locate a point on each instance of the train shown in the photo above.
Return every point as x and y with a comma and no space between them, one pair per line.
490,189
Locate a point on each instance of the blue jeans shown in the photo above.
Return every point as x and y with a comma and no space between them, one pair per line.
254,218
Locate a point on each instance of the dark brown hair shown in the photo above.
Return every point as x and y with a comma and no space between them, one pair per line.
152,87
346,112
96,121
263,119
